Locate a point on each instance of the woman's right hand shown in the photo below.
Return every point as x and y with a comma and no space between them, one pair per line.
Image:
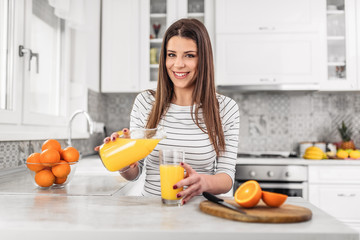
113,137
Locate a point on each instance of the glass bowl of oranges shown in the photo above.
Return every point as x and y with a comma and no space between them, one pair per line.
54,167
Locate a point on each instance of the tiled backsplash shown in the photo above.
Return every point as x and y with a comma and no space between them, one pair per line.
269,121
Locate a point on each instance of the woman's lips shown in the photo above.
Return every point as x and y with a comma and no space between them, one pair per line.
180,75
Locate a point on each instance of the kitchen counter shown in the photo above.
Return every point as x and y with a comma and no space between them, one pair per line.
294,161
93,206
90,178
51,216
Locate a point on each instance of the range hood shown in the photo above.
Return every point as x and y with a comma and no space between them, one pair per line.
271,87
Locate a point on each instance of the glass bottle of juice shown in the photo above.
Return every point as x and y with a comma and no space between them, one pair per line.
122,152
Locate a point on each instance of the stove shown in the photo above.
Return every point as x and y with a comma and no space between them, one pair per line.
291,180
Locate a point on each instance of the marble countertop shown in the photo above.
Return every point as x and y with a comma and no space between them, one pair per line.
52,216
93,206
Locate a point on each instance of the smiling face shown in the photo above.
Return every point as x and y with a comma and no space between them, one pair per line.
181,62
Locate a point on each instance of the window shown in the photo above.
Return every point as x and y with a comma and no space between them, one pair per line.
33,73
5,58
45,88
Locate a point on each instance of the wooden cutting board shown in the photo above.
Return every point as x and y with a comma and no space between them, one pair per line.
261,213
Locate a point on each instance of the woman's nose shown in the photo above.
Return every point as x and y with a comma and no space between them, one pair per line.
179,62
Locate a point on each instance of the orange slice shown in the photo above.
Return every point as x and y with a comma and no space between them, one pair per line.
273,199
248,194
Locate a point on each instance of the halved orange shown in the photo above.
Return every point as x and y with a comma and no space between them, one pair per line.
248,194
273,199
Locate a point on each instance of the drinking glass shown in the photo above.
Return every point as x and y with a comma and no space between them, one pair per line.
171,172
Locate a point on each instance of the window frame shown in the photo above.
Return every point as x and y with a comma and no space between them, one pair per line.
13,116
18,123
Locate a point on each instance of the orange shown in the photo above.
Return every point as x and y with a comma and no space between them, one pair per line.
44,178
51,144
273,199
60,180
62,169
248,194
70,154
49,157
32,160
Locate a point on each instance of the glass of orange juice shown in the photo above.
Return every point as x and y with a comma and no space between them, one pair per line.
171,172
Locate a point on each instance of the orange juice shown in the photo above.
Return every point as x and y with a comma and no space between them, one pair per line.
170,175
122,152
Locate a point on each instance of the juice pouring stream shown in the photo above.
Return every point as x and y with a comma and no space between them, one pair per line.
122,152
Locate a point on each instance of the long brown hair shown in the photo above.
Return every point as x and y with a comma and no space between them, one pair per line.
204,94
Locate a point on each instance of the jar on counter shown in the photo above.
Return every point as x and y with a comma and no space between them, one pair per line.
303,146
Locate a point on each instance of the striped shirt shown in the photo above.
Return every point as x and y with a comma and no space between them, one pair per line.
183,133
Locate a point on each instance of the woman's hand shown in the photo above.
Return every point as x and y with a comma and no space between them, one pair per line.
113,137
196,184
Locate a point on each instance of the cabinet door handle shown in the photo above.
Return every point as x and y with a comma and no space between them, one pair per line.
267,79
346,195
264,79
265,28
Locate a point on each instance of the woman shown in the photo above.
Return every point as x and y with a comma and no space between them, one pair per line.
186,105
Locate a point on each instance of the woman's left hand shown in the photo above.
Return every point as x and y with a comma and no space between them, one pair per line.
196,184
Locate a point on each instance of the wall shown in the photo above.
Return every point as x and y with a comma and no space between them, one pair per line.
269,121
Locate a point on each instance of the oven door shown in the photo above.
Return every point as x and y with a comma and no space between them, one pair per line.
290,189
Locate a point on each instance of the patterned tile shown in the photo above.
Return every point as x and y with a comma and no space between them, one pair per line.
23,147
256,104
300,103
269,121
300,127
9,154
320,103
322,127
341,103
277,126
257,126
279,103
278,143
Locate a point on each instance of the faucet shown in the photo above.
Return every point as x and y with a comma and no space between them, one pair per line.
90,122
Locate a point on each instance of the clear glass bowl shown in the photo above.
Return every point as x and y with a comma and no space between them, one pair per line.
43,175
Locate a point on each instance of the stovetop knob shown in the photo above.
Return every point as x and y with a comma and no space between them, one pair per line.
287,174
270,173
252,173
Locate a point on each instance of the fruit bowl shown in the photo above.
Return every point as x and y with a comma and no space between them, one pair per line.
53,167
51,175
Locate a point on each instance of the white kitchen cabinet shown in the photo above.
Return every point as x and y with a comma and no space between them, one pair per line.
276,44
128,35
341,46
163,13
257,16
270,59
120,55
336,190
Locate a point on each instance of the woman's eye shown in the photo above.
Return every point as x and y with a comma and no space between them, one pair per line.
171,55
190,55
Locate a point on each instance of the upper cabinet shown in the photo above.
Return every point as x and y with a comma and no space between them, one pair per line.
155,17
132,32
120,46
256,16
341,46
276,42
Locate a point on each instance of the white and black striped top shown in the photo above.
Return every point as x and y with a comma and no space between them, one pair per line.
183,133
